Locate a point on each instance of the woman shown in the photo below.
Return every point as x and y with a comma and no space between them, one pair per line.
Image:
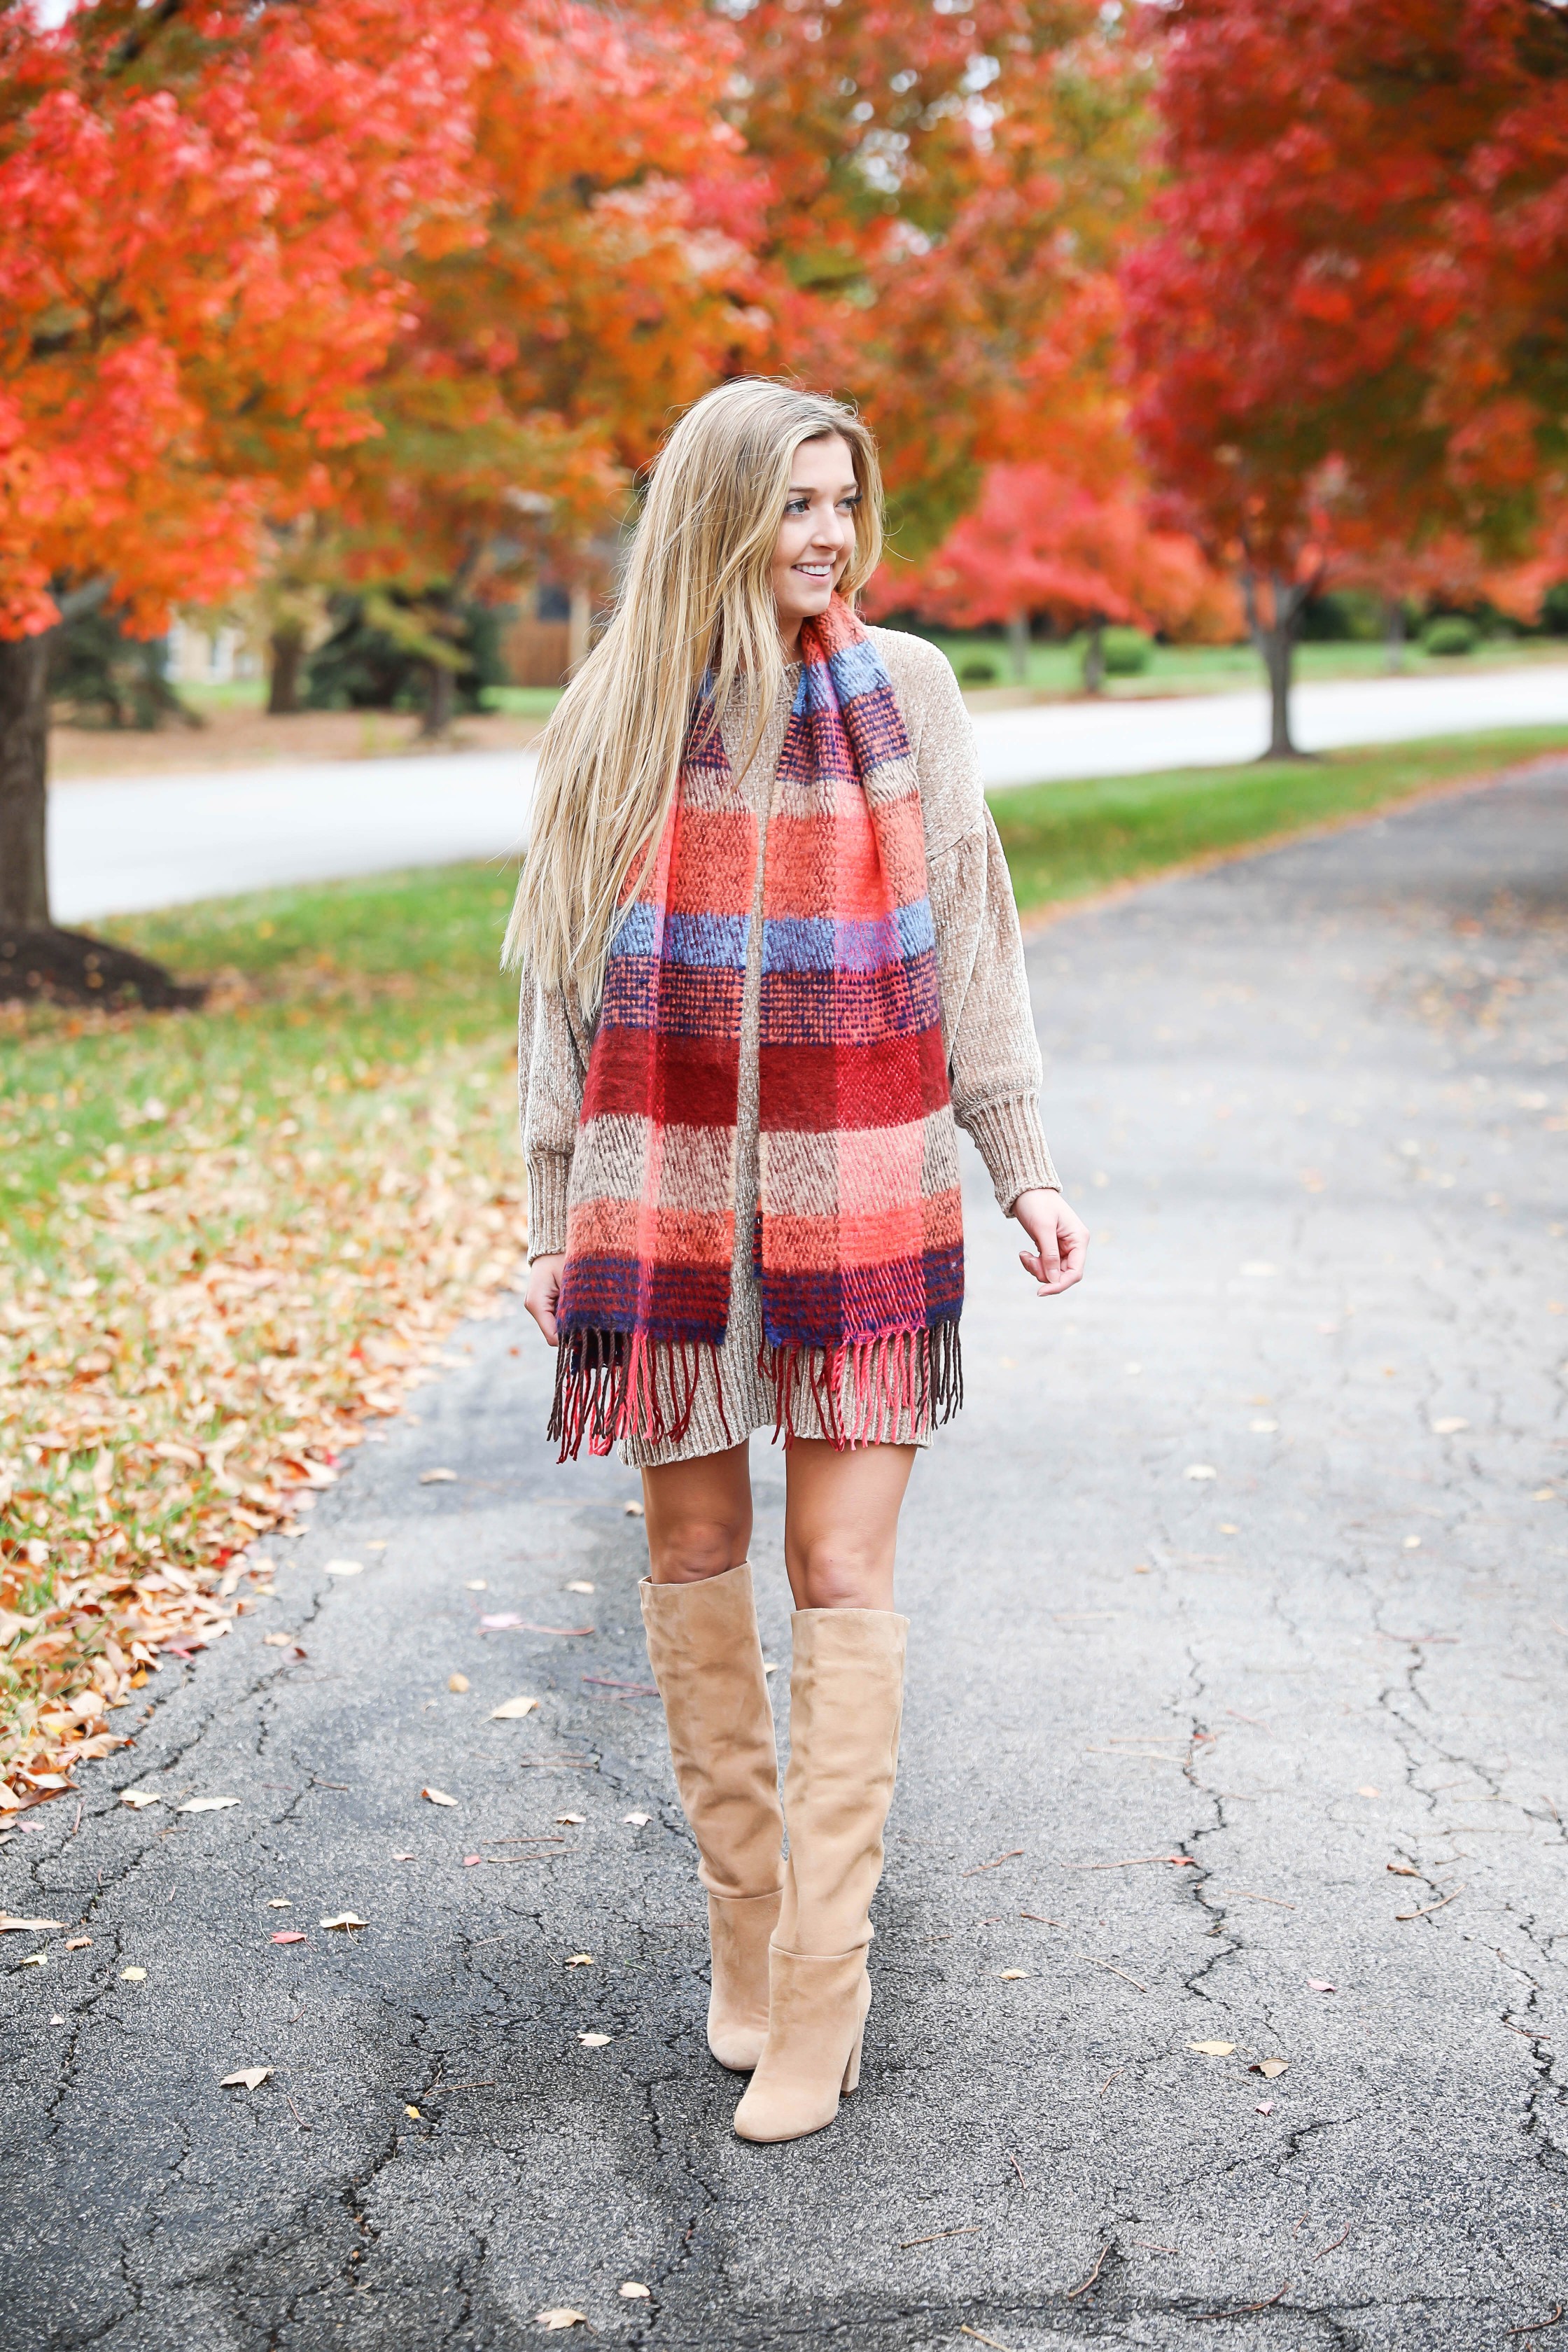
771,954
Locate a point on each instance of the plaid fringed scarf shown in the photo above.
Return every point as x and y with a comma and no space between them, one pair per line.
859,1248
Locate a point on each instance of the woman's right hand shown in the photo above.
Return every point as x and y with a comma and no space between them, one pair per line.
543,1290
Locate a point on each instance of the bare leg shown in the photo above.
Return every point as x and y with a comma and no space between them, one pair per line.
698,1517
841,1522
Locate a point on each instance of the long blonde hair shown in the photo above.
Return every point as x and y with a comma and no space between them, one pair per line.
696,596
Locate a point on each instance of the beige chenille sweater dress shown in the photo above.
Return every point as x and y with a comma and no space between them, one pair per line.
993,1060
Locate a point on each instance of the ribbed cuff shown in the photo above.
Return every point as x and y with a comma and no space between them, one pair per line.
1008,1138
548,1176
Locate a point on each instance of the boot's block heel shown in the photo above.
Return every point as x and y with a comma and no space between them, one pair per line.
852,2072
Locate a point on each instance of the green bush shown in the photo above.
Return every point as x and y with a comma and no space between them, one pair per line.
1450,633
1127,653
101,678
1343,616
977,671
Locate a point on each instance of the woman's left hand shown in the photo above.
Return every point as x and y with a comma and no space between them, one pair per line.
1060,1239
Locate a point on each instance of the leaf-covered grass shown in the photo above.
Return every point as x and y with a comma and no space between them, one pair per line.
226,1239
1065,841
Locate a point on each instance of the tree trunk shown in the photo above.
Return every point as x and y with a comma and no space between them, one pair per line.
24,772
1276,642
440,701
1018,646
1094,657
288,671
36,960
1393,633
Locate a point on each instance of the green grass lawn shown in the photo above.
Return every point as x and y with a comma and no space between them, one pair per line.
1064,841
333,1002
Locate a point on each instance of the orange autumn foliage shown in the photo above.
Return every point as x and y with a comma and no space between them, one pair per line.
201,212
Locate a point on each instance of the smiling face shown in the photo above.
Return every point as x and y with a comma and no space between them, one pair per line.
816,535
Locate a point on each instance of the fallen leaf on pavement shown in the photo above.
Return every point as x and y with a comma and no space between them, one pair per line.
249,2078
561,2318
402,1857
633,1510
593,2041
275,1641
438,1478
133,1976
570,1820
474,1584
1009,1975
206,1804
502,1623
437,1797
633,2291
289,1935
1319,1984
37,1960
1402,1869
1200,1470
1264,2107
637,1821
33,1927
512,1709
79,1943
346,1919
470,1859
1269,2067
140,1797
1449,1427
1368,1790
580,1961
579,1585
345,1568
1213,2049
456,1681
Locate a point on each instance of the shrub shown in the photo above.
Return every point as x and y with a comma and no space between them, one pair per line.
1127,653
1450,633
977,671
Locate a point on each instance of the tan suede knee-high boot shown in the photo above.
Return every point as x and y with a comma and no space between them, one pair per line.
707,1660
846,1694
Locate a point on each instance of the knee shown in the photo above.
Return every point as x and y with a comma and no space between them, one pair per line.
692,1547
837,1573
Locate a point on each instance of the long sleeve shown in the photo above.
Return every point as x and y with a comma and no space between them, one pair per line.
992,1055
552,1063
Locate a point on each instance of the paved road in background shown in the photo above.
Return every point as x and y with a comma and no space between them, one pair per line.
1235,1718
119,846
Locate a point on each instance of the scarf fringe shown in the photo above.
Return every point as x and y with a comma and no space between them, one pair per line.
863,1392
611,1385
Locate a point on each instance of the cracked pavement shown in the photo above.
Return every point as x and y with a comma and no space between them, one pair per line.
1313,1103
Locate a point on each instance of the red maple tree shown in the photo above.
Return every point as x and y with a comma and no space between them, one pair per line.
1041,540
1352,300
